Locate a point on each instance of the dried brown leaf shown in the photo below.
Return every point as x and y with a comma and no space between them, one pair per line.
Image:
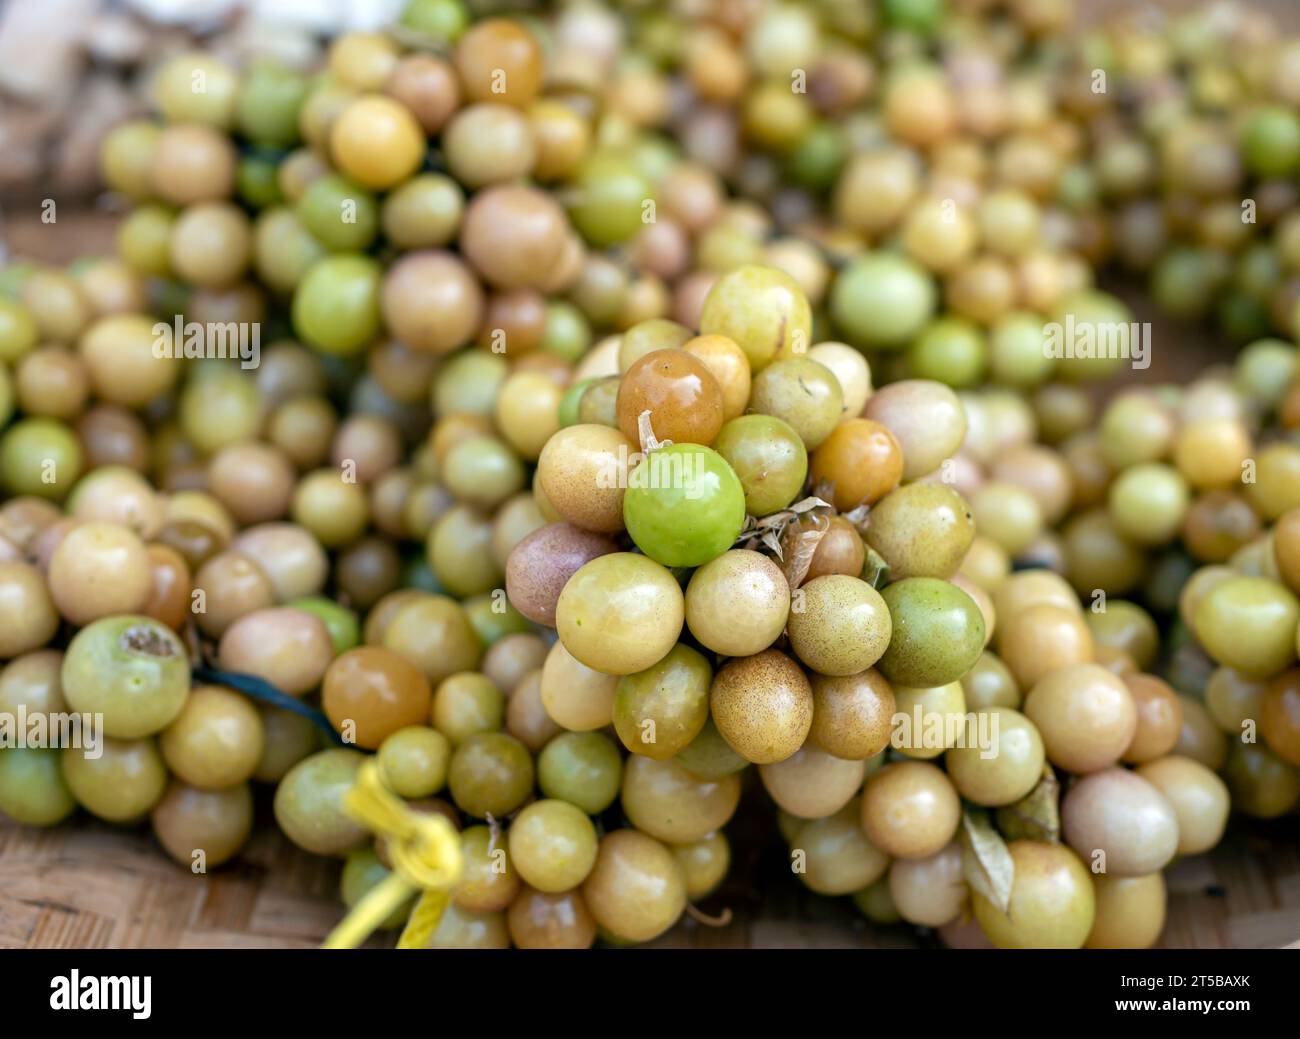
985,860
1037,815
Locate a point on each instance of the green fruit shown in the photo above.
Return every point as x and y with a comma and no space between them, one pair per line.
658,711
610,195
266,107
32,789
882,301
938,632
362,873
309,803
583,768
133,671
40,457
339,621
336,304
768,456
340,214
684,505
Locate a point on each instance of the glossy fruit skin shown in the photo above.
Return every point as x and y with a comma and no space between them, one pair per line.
1011,772
852,715
489,879
552,845
413,761
31,619
839,858
636,890
132,670
938,632
1042,637
309,803
490,773
575,696
1249,623
681,394
762,706
768,456
620,613
861,459
583,768
671,804
1200,800
33,449
214,823
812,783
374,692
121,785
541,564
611,193
927,419
1085,715
929,892
658,711
434,633
737,604
377,141
1160,718
1052,902
1121,821
684,505
217,740
763,310
583,474
910,809
556,921
921,530
1130,911
839,625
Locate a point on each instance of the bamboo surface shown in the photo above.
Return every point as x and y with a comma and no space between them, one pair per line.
88,885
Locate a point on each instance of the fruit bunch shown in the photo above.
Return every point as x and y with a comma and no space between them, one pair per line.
645,396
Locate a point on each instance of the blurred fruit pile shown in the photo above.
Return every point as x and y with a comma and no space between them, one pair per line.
565,409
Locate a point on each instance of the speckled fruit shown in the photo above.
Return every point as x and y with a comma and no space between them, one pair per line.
853,714
910,809
839,625
763,706
921,530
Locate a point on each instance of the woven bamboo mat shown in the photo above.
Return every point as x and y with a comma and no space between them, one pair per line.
84,884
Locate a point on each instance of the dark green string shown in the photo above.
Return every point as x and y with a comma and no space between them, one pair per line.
261,689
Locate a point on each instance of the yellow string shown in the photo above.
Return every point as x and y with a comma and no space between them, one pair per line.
425,852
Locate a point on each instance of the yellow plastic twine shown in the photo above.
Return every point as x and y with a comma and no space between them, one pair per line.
425,852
